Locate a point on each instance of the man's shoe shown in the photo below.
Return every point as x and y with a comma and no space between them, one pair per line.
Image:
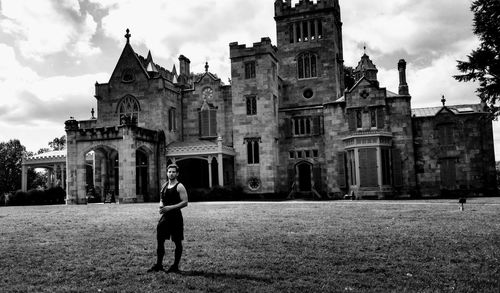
156,268
173,269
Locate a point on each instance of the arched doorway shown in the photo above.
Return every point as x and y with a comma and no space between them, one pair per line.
304,170
101,174
193,172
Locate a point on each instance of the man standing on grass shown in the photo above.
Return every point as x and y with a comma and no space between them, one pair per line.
173,198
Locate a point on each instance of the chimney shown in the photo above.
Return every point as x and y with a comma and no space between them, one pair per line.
184,65
403,86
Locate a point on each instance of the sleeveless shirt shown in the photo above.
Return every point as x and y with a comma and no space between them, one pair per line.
170,196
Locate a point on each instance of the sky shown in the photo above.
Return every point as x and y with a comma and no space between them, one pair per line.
53,51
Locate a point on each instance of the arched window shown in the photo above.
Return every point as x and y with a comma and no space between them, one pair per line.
207,118
128,110
306,65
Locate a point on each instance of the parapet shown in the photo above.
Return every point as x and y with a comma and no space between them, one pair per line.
284,8
263,47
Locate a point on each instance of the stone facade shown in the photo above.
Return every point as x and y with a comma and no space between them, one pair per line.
285,124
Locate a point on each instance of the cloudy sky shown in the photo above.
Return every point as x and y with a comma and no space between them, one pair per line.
53,51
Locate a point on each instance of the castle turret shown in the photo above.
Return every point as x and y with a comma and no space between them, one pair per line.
366,68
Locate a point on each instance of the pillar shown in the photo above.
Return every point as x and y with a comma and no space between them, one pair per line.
220,169
210,171
24,178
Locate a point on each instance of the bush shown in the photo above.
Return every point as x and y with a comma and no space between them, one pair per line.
53,195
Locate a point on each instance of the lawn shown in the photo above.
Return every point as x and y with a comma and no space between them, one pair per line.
303,246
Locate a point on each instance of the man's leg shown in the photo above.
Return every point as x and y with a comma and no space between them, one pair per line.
160,252
177,254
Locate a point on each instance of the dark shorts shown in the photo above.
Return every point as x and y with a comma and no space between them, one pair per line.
170,228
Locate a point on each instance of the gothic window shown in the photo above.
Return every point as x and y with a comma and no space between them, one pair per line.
373,118
249,69
359,119
128,109
306,126
208,122
368,175
251,102
172,123
306,65
252,150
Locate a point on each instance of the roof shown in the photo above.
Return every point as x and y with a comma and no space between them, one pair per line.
49,155
456,109
200,147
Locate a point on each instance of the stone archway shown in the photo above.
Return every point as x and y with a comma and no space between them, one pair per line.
101,174
304,171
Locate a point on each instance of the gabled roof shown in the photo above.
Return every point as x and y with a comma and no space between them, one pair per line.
127,50
455,109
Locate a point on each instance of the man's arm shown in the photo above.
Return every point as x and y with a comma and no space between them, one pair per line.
184,200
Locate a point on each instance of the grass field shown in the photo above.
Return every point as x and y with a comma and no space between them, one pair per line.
337,246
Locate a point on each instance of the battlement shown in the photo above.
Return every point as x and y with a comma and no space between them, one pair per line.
284,8
263,47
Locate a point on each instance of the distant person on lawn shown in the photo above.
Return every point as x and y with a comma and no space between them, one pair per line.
173,197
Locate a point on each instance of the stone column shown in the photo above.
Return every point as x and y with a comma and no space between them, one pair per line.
220,162
50,179
24,178
210,171
127,167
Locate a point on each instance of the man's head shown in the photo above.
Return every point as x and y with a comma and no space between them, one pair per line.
172,171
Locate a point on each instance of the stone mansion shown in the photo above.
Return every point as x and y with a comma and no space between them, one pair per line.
285,124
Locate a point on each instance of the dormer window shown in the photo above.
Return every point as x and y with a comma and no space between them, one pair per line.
128,76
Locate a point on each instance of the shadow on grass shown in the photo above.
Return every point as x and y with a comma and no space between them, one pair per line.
233,276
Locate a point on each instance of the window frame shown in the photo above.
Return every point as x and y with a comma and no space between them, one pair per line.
250,67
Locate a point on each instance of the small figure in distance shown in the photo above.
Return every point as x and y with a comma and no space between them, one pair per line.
173,197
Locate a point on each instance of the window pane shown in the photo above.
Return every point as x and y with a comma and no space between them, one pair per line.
301,67
307,72
313,30
249,152
313,66
359,123
373,118
255,152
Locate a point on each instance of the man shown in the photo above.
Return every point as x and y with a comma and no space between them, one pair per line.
173,198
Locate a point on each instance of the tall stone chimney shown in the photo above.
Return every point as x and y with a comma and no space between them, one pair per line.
403,86
184,65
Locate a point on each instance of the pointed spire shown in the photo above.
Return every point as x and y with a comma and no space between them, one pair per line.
443,100
127,35
174,71
206,66
151,66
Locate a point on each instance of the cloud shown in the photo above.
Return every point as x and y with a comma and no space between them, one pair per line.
200,30
42,28
421,30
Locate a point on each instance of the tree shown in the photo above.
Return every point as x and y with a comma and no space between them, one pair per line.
11,156
58,144
43,150
349,77
483,64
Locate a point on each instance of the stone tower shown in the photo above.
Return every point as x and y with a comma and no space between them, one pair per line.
309,38
254,86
